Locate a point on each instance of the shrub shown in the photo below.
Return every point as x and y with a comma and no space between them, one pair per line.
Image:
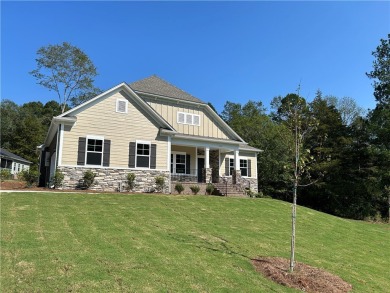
179,188
58,179
160,183
209,188
89,179
5,174
29,176
130,180
195,189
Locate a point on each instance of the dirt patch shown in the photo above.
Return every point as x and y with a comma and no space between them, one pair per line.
305,277
12,184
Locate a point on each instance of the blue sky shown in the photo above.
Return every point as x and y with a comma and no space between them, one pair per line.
216,51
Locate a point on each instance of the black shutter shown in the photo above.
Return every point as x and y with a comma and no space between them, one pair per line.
81,151
132,155
106,153
249,168
227,167
153,157
188,164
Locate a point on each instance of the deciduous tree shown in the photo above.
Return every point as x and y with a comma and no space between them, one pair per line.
66,70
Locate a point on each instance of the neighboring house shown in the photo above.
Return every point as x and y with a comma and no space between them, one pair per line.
149,128
12,162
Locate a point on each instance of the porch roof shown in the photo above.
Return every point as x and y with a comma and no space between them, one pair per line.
205,140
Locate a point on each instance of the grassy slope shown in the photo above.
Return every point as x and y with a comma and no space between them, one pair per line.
148,243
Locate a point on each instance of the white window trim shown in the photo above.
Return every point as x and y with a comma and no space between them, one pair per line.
136,155
185,118
116,105
230,157
247,166
174,153
97,137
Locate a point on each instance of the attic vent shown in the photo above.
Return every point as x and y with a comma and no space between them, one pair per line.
180,117
187,118
121,106
196,120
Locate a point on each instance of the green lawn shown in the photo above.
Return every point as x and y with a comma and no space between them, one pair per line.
57,242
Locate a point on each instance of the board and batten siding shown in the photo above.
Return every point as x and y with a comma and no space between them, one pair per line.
243,155
101,119
168,110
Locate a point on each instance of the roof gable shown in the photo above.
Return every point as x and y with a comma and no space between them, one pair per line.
130,94
6,154
157,86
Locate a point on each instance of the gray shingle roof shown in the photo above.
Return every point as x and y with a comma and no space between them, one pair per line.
8,155
155,85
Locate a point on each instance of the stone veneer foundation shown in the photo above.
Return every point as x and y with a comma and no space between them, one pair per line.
245,182
109,179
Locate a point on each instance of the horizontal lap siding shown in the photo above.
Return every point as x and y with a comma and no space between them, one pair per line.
101,119
168,110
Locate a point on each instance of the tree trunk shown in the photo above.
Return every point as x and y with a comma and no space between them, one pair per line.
293,221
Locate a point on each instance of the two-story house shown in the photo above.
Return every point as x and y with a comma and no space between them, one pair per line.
150,128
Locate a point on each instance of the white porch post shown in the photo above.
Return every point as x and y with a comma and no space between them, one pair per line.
236,161
207,158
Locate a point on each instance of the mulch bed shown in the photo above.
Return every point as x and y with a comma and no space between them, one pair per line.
305,278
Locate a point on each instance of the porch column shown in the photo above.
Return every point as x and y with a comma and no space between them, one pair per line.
207,158
207,170
236,161
236,176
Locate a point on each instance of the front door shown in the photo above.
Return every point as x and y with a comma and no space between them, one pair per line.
200,170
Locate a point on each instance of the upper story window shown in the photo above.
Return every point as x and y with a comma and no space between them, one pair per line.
121,106
187,118
143,154
94,152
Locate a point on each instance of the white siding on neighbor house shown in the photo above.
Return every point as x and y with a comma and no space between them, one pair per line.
242,155
208,127
102,119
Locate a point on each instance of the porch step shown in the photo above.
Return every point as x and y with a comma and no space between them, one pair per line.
228,190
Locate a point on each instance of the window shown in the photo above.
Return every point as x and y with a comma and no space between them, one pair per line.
143,155
243,167
94,151
187,118
178,163
231,166
121,106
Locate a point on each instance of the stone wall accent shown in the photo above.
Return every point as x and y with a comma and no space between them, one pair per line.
109,179
251,183
207,174
236,176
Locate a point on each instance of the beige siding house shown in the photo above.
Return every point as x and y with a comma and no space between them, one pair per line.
149,128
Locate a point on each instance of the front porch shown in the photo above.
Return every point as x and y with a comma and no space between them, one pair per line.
194,164
219,166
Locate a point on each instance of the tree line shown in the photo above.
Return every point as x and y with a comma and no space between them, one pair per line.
343,153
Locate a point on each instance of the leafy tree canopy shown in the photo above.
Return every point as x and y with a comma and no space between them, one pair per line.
66,70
